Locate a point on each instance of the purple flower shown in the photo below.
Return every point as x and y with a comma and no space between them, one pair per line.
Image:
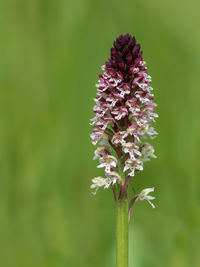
124,112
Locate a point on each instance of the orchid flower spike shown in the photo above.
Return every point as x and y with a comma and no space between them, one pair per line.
123,118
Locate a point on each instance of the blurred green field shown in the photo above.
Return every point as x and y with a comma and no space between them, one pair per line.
50,58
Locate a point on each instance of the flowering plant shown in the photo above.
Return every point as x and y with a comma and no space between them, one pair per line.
124,112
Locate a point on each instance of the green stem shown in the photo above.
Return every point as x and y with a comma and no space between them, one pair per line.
122,233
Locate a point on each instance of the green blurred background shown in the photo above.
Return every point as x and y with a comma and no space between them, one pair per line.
50,58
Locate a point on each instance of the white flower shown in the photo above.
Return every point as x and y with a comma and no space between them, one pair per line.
93,120
98,135
149,114
113,98
99,182
139,118
142,63
132,149
147,151
135,70
134,108
103,122
100,151
99,110
103,67
120,112
133,165
142,97
119,138
115,177
134,130
111,179
108,162
149,130
124,90
144,195
142,85
102,87
114,82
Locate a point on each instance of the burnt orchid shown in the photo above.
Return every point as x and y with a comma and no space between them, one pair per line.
124,113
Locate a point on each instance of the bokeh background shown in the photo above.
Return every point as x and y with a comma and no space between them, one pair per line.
50,58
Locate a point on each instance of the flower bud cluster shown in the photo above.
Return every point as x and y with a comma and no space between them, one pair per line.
124,113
